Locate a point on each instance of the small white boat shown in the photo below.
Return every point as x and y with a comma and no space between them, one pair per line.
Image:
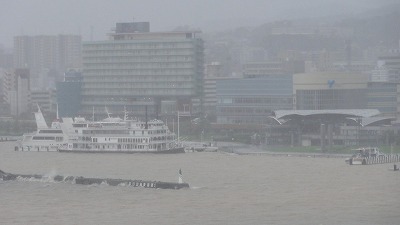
361,154
200,147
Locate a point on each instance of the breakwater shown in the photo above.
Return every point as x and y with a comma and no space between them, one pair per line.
89,181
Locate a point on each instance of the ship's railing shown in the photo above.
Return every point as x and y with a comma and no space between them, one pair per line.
382,159
378,159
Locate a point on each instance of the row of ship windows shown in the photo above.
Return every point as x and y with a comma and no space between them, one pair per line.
45,138
130,146
50,131
126,132
125,140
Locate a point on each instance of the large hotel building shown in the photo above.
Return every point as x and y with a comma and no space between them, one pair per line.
138,70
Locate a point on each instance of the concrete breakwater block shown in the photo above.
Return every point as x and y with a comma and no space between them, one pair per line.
89,181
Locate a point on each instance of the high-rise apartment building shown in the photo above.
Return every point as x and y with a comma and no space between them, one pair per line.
387,69
6,58
140,70
384,86
17,91
69,52
47,55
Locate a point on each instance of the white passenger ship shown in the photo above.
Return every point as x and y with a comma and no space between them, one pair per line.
116,135
45,138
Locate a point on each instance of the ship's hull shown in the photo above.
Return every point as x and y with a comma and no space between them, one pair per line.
168,151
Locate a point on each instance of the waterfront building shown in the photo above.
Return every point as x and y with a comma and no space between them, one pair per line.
354,67
330,90
392,62
277,67
249,101
6,58
46,99
386,70
332,127
384,86
384,96
139,70
16,88
69,94
4,106
213,72
261,69
69,52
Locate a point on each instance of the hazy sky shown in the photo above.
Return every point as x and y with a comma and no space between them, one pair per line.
36,17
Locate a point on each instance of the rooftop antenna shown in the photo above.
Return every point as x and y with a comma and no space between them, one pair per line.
93,113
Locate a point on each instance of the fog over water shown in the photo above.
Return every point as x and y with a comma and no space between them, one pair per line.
93,19
225,189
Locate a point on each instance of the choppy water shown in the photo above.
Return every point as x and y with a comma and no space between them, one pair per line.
226,189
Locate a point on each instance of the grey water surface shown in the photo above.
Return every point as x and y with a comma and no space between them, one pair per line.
225,189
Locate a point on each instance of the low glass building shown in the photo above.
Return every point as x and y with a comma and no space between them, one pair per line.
250,100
